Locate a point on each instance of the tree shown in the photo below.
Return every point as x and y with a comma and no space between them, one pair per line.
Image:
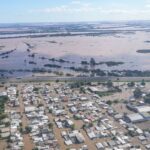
50,111
50,125
114,138
116,101
40,105
9,139
131,84
28,129
17,94
109,83
3,116
137,93
147,98
109,102
57,81
92,62
35,148
82,90
36,89
21,130
143,82
84,63
73,127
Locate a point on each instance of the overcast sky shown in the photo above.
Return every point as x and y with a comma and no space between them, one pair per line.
73,10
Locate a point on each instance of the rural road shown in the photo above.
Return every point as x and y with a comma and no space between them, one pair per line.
71,79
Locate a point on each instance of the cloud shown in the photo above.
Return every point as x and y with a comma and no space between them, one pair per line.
83,9
89,9
73,7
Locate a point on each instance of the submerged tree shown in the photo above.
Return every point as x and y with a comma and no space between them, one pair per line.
92,62
137,93
131,84
143,82
109,84
147,98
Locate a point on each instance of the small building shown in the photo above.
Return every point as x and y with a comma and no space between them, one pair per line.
99,146
80,137
134,118
148,146
93,89
29,109
73,110
83,98
146,115
142,109
5,134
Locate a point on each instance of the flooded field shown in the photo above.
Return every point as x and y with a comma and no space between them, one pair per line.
70,50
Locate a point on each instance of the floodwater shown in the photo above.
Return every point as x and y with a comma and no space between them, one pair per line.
120,47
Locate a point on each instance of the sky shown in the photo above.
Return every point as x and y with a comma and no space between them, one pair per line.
17,11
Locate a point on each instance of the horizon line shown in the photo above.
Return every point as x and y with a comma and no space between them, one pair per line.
133,20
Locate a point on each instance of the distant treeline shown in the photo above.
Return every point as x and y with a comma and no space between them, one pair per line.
34,70
91,72
108,63
69,33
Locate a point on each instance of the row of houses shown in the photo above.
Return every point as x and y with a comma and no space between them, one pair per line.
12,94
89,108
62,120
11,125
4,120
73,137
98,117
16,137
142,113
39,125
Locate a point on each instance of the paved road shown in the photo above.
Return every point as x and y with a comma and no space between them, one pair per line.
88,79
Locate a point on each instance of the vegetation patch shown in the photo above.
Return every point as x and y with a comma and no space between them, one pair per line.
147,98
108,63
3,100
143,51
147,41
52,66
7,53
